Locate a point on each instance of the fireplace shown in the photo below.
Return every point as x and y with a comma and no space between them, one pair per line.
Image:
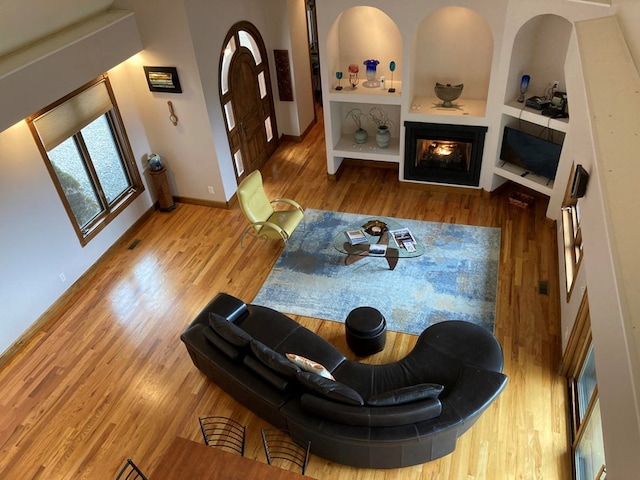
441,153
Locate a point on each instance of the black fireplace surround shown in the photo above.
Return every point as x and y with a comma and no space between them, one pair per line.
443,153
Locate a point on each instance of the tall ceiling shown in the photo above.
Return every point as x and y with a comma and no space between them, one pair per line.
23,22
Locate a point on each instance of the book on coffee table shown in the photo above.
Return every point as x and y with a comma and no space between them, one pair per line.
356,237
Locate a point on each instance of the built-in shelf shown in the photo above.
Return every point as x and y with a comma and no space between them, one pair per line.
461,107
522,177
366,95
531,115
348,148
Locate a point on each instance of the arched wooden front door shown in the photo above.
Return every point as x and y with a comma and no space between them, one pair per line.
246,98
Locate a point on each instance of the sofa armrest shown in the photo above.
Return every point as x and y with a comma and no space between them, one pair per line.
228,306
475,390
364,416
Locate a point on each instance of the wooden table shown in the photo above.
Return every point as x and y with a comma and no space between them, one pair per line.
188,460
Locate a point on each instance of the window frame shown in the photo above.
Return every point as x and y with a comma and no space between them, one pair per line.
110,210
572,236
579,346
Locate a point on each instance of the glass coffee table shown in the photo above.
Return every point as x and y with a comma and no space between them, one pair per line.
377,237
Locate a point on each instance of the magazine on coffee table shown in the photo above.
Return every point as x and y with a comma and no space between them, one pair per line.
404,239
377,249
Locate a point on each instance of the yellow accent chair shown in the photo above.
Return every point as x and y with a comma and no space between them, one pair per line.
266,222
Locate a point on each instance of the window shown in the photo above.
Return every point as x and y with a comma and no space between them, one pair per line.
578,365
85,148
572,237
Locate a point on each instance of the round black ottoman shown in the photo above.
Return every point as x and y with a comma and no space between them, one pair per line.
366,331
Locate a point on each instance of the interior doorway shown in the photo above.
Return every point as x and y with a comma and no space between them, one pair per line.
314,54
247,99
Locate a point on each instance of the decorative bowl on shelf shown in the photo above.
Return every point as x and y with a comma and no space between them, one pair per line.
448,93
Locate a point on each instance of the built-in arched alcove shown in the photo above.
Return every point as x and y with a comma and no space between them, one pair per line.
453,45
539,50
361,33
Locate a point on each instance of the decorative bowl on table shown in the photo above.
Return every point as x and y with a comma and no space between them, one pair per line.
448,93
375,227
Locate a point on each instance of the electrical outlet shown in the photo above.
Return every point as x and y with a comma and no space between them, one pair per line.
210,190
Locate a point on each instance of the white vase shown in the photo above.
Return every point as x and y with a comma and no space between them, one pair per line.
383,136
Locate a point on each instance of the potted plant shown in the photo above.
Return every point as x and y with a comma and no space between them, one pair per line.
381,119
360,135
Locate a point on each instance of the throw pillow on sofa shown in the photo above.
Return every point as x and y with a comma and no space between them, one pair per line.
400,396
229,330
221,344
330,388
309,365
272,359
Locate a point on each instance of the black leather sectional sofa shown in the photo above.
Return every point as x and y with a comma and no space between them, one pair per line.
373,416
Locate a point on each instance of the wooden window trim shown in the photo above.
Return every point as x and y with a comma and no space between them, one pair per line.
572,237
123,145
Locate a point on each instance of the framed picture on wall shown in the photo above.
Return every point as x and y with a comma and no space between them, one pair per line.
163,79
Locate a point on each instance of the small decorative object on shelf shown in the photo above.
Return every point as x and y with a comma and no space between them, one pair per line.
448,93
339,77
371,81
524,84
353,75
392,68
380,118
360,135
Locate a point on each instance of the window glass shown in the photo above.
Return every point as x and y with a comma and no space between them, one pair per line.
228,113
268,129
75,181
226,62
247,41
106,159
237,157
589,457
262,84
586,383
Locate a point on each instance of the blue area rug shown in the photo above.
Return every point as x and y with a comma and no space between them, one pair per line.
456,278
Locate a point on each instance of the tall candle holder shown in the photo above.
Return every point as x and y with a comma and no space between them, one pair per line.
392,67
353,75
339,77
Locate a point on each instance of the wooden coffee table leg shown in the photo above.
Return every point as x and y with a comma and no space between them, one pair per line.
351,259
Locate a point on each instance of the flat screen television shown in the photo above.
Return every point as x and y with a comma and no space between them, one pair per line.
534,154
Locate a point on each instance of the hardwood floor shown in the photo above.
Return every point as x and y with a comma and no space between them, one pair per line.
110,379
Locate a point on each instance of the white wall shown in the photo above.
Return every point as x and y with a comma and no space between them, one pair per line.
187,149
37,238
38,241
45,17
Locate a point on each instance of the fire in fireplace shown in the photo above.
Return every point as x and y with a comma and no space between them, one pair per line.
443,153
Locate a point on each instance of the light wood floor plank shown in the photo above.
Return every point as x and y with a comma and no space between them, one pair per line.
109,379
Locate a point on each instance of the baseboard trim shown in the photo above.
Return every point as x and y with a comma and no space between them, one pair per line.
204,203
299,138
53,313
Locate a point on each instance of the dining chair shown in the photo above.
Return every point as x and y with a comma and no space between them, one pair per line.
130,471
223,432
278,445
